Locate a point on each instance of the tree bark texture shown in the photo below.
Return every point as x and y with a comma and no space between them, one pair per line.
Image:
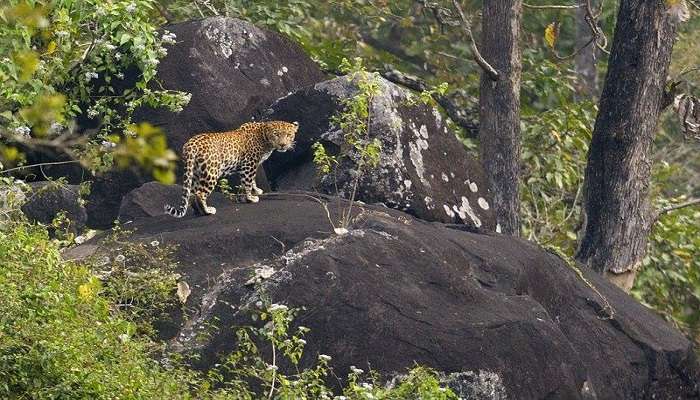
585,60
618,217
499,108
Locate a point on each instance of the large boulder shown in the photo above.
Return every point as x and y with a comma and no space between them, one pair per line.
233,70
423,170
396,290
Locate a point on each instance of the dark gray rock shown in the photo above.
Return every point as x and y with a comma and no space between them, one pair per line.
496,314
424,169
48,199
233,70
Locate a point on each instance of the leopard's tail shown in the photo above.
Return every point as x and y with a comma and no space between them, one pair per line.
186,191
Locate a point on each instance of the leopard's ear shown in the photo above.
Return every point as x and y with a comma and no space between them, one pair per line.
296,123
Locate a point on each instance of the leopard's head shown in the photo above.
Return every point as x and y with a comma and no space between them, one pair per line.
281,134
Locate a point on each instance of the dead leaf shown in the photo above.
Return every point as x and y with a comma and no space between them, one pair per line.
183,291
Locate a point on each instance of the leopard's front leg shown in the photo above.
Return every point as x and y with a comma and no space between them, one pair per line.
256,189
248,183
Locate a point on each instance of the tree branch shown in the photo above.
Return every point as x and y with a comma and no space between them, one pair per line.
551,7
453,110
466,26
39,165
668,209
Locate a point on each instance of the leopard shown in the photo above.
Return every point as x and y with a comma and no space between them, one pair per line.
209,156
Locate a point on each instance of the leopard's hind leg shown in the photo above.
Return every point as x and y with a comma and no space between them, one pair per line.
203,188
187,185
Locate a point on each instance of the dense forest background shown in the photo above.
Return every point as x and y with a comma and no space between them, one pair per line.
67,63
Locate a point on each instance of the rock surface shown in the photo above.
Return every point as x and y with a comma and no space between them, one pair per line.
233,70
396,290
48,199
423,170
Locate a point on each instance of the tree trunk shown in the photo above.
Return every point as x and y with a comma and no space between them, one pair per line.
585,61
499,108
618,217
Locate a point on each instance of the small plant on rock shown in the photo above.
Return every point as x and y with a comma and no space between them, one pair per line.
358,146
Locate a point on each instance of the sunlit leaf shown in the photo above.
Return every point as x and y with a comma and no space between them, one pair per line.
550,34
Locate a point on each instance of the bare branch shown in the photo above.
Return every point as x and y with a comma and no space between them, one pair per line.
39,165
668,209
466,26
551,7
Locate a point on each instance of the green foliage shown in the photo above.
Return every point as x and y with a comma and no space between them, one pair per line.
247,372
147,146
137,279
59,337
324,161
80,59
556,133
669,279
354,121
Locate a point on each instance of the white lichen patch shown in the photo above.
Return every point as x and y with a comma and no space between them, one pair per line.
429,204
481,385
498,228
407,183
465,210
264,82
445,177
260,273
472,185
438,116
448,211
483,203
222,40
415,154
383,234
423,131
357,233
228,37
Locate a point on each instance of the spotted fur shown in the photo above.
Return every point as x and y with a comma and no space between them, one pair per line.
209,156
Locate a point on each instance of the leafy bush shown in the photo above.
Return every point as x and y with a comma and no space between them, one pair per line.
556,133
58,335
669,280
85,60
